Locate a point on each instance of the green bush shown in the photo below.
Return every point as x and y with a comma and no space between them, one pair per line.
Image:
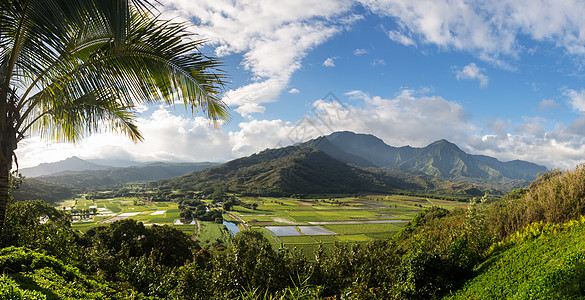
554,197
37,225
541,261
9,289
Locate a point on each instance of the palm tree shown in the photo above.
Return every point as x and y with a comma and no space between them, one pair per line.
69,68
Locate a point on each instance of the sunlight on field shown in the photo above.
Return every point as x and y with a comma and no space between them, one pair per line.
285,221
295,223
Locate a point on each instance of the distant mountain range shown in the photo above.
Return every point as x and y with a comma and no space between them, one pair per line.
66,182
342,162
117,176
346,162
441,159
298,170
71,164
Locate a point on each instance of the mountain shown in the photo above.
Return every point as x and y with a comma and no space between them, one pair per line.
72,164
116,176
323,144
297,170
371,148
33,189
441,159
117,163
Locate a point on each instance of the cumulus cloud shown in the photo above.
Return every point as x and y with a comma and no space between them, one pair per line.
417,119
489,31
167,137
329,62
404,119
473,72
272,36
400,38
576,99
410,118
293,91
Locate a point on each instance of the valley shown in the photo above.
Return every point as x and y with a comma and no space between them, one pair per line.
344,187
290,222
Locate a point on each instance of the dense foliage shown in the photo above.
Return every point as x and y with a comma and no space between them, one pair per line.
460,254
305,170
32,189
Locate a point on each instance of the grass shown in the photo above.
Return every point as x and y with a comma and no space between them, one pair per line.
297,239
541,261
212,234
283,210
301,212
114,209
354,238
364,228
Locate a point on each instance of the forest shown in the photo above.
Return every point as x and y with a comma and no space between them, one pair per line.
527,245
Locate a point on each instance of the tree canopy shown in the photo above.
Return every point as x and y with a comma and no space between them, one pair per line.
69,68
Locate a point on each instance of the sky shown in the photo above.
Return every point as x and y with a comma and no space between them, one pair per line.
501,78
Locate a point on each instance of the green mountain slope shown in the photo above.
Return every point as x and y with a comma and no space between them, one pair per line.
323,144
293,170
440,159
371,148
116,176
71,164
541,261
34,189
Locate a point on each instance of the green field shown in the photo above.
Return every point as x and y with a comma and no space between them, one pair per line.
355,219
352,219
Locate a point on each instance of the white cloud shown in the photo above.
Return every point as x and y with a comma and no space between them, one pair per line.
548,104
490,30
167,137
378,62
576,99
417,119
405,119
273,37
329,62
472,71
410,118
360,51
293,91
257,135
249,108
499,126
400,38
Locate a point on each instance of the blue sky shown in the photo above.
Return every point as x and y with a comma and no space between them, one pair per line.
500,78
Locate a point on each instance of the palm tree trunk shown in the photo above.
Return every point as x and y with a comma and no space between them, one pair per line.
4,185
7,146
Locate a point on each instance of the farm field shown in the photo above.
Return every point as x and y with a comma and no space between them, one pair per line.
304,223
294,223
161,213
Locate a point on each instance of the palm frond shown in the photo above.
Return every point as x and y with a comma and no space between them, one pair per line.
91,62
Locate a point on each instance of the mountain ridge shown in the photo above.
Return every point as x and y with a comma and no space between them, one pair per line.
71,164
441,159
304,169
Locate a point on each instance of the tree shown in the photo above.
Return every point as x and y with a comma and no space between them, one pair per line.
69,68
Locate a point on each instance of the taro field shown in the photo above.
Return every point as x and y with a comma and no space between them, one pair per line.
107,211
303,224
306,223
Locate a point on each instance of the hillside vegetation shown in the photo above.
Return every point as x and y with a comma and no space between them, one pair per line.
441,159
528,245
541,261
120,176
306,170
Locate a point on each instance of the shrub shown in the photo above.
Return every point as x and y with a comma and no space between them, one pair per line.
554,197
